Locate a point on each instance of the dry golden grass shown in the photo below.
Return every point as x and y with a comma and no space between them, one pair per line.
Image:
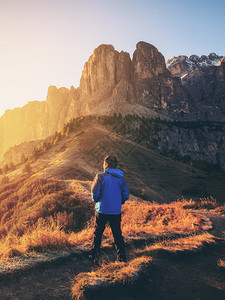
141,219
144,217
116,272
189,243
39,214
221,209
40,237
221,263
202,203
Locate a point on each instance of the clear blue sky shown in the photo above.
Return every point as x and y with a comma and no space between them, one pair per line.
46,42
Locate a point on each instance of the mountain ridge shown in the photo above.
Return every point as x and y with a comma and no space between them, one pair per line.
182,65
112,82
154,168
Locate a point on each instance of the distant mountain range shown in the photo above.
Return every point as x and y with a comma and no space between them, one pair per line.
184,89
183,65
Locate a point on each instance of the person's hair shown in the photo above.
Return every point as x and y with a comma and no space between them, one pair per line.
111,160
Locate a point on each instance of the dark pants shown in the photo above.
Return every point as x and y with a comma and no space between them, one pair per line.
115,225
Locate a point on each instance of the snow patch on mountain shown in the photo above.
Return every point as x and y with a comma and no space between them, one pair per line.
182,65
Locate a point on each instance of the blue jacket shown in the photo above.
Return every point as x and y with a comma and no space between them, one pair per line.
110,191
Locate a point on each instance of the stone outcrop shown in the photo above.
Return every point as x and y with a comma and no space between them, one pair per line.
191,142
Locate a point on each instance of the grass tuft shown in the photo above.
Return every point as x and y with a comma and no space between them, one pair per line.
112,273
221,263
189,243
202,203
158,219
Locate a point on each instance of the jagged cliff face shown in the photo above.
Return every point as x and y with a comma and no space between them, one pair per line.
21,124
113,82
105,81
99,75
183,65
38,119
206,143
154,85
207,92
204,80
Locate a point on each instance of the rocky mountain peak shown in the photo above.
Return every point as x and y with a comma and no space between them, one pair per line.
104,69
104,48
183,65
99,71
147,61
112,82
153,84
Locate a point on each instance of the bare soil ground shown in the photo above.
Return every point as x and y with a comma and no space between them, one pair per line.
183,276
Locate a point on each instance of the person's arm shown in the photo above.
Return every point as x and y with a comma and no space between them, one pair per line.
125,193
96,189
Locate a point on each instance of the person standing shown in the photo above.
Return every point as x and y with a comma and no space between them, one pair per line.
109,191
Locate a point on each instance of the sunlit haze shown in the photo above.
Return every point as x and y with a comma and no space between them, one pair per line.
47,42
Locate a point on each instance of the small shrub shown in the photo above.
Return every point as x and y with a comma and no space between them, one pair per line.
27,169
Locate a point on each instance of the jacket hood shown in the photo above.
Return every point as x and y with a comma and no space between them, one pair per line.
114,172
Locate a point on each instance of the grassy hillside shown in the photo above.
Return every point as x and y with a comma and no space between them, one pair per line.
77,153
48,206
36,214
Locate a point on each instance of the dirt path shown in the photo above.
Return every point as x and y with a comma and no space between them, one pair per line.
52,282
196,276
177,277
